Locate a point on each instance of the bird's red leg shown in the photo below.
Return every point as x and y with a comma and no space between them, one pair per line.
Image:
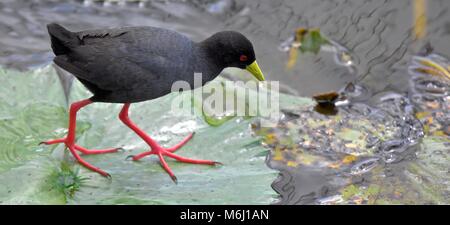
69,141
156,148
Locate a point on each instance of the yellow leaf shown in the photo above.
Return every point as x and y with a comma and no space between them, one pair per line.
278,155
293,55
439,133
426,129
420,19
270,138
292,164
293,52
349,159
421,115
441,70
299,34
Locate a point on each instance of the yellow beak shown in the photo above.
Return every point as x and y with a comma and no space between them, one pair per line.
255,70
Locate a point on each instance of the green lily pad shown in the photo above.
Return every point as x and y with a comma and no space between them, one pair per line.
34,109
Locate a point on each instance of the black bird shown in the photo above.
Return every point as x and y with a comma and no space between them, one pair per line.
133,64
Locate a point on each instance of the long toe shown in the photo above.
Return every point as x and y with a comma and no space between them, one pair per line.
53,141
86,164
95,151
140,156
166,167
182,143
189,160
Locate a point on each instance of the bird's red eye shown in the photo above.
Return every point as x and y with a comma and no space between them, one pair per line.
243,58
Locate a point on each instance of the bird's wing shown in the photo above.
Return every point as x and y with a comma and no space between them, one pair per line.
108,73
100,34
123,59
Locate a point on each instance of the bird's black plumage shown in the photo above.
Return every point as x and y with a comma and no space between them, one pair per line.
135,64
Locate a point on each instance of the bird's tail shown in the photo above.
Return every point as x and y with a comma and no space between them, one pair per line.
62,39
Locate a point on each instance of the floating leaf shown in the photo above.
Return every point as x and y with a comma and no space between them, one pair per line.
349,159
328,97
305,40
312,41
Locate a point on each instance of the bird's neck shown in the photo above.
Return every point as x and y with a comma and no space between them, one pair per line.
209,60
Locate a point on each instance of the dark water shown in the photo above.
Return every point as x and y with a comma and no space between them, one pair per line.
377,35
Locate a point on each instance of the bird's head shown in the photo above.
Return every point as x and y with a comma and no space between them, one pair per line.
232,49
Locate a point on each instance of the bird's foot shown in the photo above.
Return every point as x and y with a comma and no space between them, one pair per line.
160,152
81,149
74,148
